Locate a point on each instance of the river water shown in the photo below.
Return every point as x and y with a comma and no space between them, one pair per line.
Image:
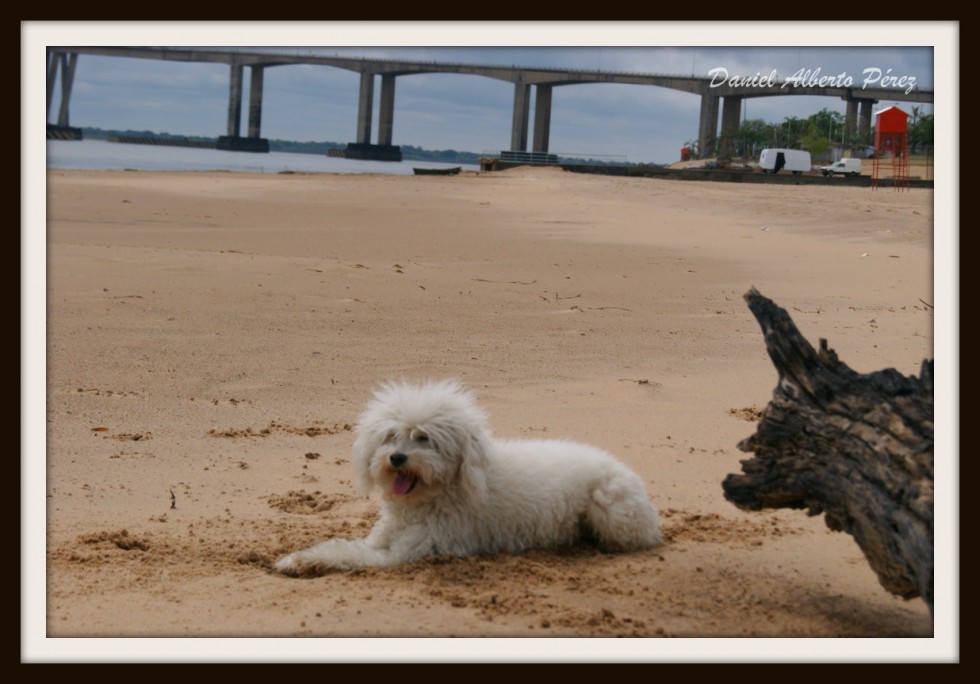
99,155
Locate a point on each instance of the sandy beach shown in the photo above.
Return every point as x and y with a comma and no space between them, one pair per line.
212,338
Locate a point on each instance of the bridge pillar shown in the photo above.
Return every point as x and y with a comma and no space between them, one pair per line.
365,109
54,60
255,101
850,119
730,117
363,149
542,117
235,100
864,125
386,115
66,62
522,108
234,142
708,125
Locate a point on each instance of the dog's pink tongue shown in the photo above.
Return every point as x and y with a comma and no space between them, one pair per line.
403,484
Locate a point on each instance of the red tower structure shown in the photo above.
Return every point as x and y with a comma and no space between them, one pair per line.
892,140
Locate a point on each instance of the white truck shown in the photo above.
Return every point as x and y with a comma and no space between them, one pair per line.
776,159
844,167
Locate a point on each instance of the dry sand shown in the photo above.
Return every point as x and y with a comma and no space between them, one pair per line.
213,336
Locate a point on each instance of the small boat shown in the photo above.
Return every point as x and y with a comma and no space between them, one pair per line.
451,171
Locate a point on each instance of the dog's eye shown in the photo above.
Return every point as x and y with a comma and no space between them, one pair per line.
390,437
419,436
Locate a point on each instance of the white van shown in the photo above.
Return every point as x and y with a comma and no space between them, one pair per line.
845,167
778,159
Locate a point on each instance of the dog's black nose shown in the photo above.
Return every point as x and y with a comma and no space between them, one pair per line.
397,459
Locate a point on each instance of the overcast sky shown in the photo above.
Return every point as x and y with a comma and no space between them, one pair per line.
473,113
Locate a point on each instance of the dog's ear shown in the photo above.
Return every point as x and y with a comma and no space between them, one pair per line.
472,469
364,446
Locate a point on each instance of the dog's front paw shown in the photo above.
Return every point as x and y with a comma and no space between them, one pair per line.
287,565
329,556
300,564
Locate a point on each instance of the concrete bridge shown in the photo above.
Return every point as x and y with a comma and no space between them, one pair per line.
715,98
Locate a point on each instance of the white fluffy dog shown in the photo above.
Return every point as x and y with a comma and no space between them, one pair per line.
448,487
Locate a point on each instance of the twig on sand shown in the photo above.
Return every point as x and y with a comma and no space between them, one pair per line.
557,298
505,282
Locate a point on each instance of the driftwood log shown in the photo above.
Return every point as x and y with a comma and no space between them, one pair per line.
858,448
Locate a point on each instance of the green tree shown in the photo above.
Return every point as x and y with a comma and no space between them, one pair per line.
920,133
916,114
791,130
751,138
816,143
773,134
826,124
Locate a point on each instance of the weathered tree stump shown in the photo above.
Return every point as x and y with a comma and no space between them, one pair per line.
858,448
